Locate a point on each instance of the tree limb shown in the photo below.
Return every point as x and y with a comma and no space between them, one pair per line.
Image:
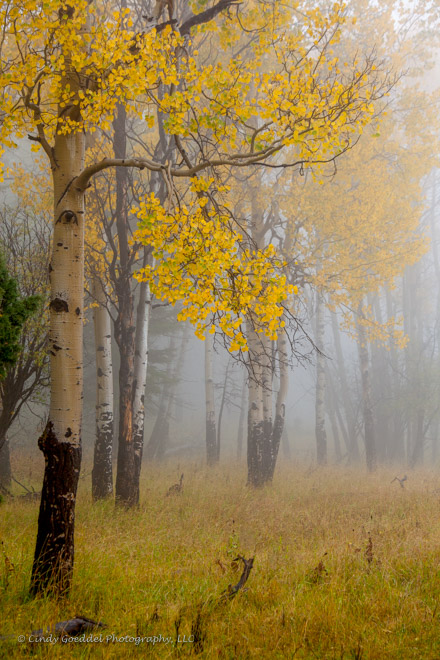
206,16
231,591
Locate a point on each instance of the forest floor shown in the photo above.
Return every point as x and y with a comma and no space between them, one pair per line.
346,566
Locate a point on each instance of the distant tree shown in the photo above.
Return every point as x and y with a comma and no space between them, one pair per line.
67,72
14,311
22,341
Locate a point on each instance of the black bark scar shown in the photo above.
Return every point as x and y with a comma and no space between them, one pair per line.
69,216
59,305
66,189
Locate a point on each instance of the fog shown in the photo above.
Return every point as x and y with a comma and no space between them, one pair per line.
354,231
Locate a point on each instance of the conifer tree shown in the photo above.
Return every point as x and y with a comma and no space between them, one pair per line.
14,311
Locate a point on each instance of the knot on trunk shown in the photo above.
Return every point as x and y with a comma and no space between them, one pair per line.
67,216
59,305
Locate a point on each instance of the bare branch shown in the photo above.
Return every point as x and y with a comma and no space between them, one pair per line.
206,16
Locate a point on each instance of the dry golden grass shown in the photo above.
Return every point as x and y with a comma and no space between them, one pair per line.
346,566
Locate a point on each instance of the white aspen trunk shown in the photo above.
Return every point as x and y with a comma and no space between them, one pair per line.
102,473
382,388
266,394
67,293
61,439
352,447
414,351
285,443
140,375
320,432
364,361
211,435
160,430
171,390
160,434
398,425
280,403
434,442
220,412
260,385
331,405
255,442
409,329
241,419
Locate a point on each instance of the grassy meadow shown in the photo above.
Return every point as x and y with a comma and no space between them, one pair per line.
346,566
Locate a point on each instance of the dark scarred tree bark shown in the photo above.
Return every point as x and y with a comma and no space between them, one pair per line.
5,463
127,493
126,490
54,552
264,436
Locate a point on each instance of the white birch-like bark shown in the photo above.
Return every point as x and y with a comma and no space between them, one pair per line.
320,432
266,394
255,443
140,373
67,293
102,474
211,435
398,426
350,433
157,444
61,439
159,435
260,377
369,430
241,419
280,403
220,412
330,399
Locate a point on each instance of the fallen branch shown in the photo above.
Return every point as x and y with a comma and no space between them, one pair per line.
72,627
27,495
401,481
232,590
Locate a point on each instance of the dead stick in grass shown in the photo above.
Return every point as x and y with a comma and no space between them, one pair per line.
232,590
70,628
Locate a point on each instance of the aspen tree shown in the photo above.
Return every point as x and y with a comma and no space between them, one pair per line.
65,72
102,473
